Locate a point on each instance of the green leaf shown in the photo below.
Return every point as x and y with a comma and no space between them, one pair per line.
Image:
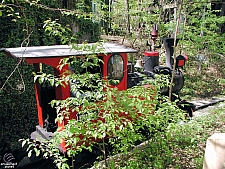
65,166
51,81
29,153
41,79
24,142
36,77
36,151
95,135
86,103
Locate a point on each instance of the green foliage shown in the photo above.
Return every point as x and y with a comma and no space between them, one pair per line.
22,24
119,115
21,20
201,31
18,115
104,112
200,28
112,113
87,28
202,83
181,146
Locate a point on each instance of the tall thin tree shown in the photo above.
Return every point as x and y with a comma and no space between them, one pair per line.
127,16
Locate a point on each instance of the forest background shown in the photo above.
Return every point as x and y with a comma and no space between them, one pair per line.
38,23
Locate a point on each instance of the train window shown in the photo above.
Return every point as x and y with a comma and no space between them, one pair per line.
115,69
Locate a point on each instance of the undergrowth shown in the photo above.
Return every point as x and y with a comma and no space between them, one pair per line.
204,80
183,149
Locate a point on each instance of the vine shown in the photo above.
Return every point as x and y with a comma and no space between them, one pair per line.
22,24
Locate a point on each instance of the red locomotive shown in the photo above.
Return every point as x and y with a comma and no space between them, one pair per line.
115,66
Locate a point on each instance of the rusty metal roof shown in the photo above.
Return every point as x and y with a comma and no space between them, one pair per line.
65,50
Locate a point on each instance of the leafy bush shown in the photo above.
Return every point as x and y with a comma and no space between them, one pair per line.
104,112
181,146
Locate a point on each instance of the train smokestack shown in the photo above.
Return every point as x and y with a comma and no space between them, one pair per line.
169,45
151,59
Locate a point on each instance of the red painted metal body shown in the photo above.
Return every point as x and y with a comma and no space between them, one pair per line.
52,55
62,92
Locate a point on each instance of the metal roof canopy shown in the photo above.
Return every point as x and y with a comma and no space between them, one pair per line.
64,50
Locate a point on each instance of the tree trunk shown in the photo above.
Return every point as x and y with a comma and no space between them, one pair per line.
127,17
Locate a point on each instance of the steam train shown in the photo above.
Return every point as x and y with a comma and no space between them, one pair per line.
115,66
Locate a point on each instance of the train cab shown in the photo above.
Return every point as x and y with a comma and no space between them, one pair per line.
115,66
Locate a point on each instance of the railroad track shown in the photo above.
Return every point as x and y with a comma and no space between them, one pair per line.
201,104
